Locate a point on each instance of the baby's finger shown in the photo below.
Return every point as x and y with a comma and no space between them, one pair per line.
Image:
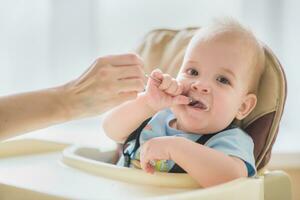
157,73
155,78
143,158
179,89
144,164
181,99
150,168
172,88
166,82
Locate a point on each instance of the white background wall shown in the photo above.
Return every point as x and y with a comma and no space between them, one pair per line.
44,43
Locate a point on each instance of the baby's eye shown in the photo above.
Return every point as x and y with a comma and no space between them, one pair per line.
192,72
223,80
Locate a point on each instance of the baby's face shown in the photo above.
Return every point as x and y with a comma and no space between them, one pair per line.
214,73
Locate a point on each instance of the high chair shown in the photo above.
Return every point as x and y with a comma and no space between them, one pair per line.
60,170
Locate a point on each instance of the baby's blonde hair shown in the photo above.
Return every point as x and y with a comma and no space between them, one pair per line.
227,25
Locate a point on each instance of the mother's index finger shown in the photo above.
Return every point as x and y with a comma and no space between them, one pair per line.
122,59
129,72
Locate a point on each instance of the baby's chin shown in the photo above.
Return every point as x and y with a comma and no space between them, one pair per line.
190,124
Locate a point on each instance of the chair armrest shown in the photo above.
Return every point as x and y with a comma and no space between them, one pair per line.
277,185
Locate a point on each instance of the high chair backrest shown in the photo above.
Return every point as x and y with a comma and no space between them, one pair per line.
165,48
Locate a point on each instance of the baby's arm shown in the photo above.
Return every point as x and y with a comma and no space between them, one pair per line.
206,165
124,119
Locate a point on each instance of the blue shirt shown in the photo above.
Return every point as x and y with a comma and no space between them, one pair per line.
233,142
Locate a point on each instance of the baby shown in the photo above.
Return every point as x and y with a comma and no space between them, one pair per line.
185,124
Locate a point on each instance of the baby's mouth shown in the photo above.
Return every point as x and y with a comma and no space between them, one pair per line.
198,104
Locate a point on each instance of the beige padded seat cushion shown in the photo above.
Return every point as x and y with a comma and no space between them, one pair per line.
164,49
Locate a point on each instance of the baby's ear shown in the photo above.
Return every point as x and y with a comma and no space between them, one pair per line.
247,106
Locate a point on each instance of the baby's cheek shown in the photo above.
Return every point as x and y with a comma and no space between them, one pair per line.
226,109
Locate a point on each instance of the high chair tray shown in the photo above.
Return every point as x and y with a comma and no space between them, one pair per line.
38,169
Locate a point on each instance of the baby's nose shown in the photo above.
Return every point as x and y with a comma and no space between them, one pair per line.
200,87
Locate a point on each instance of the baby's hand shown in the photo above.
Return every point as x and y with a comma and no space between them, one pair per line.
168,84
154,149
163,91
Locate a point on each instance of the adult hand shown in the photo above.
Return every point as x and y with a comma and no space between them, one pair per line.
110,81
